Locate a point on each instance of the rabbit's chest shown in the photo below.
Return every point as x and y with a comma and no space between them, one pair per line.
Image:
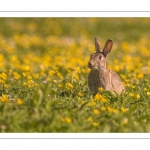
98,79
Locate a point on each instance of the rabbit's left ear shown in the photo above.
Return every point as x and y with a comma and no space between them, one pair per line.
97,46
107,47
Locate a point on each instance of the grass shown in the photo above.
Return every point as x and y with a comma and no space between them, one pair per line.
43,75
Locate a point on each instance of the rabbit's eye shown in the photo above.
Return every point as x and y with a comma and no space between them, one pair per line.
99,57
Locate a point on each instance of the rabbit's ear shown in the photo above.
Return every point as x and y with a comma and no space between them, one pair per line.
97,45
108,47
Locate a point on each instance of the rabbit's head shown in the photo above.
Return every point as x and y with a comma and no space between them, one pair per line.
98,59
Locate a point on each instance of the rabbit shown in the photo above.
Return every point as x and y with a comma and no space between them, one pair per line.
100,76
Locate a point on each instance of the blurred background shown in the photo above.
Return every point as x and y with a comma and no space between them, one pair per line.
116,28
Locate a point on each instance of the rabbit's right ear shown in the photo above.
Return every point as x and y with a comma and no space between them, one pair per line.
107,47
97,45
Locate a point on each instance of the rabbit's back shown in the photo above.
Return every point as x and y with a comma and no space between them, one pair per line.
116,82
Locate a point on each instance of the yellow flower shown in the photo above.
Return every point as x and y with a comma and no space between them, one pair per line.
89,119
137,96
109,109
96,111
103,108
104,100
36,75
75,76
4,98
51,73
24,74
3,76
59,85
95,124
140,76
20,101
29,77
92,103
125,121
59,75
123,109
25,83
16,76
78,70
69,86
54,81
68,120
2,81
100,97
101,89
116,111
6,85
80,94
148,93
132,94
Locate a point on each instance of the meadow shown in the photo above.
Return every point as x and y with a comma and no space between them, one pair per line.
43,75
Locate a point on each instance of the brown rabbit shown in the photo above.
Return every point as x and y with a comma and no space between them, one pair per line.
100,76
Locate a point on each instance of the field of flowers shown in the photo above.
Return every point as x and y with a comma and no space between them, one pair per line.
43,75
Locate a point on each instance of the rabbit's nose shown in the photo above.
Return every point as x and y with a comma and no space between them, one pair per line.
90,64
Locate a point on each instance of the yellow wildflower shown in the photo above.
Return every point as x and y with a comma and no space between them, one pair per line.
125,121
140,76
51,73
89,119
137,96
69,86
80,94
116,111
59,75
24,74
4,98
6,85
103,108
59,85
132,94
2,81
75,76
96,111
104,100
78,70
20,101
29,77
3,76
109,109
101,89
148,93
92,103
95,124
16,76
100,97
123,109
68,120
54,81
36,75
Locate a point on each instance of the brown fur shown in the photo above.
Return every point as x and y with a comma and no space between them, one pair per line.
100,76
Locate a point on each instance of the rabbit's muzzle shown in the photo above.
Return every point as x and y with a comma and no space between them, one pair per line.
91,65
